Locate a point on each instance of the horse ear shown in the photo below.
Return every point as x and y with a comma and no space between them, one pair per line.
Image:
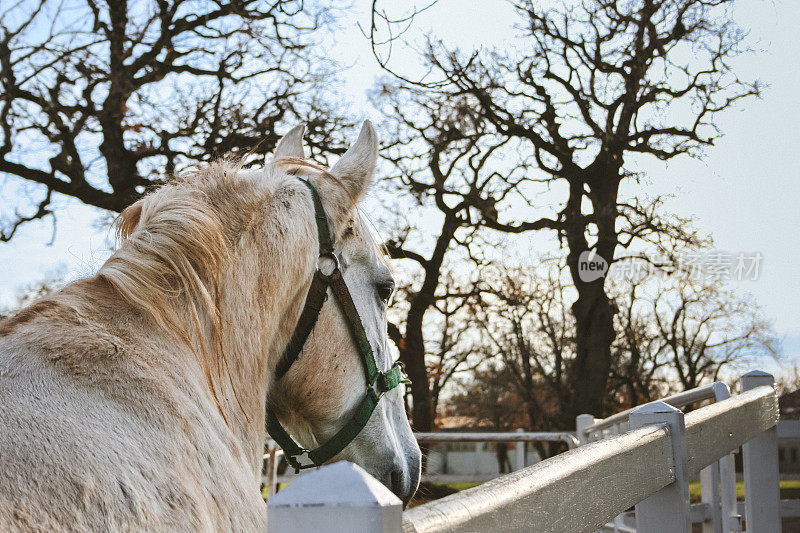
354,169
291,144
129,219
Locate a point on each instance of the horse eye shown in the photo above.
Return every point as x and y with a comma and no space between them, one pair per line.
385,290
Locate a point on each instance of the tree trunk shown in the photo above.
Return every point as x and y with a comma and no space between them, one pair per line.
593,311
594,325
412,347
413,356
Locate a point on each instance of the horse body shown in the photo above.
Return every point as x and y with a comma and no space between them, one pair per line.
103,429
135,399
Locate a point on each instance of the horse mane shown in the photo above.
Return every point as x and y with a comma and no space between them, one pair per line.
172,249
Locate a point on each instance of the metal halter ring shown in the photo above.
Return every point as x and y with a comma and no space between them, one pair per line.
336,265
294,463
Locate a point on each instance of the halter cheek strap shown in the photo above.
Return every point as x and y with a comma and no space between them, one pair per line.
378,383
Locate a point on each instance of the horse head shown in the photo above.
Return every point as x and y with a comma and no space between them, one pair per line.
336,388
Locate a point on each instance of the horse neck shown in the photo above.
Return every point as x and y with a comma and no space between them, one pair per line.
232,312
259,308
241,380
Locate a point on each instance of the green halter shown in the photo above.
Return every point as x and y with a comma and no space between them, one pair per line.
378,383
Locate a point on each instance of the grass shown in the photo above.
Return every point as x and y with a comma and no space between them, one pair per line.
790,489
264,489
462,485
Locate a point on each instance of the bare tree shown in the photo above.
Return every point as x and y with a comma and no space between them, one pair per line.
486,399
788,381
597,84
676,332
680,328
452,343
433,340
705,328
101,99
526,325
437,174
638,369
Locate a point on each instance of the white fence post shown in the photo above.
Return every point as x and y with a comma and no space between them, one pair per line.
272,471
337,498
718,485
761,480
709,495
581,423
667,509
520,452
731,519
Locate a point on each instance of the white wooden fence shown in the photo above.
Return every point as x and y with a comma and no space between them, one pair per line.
718,511
648,466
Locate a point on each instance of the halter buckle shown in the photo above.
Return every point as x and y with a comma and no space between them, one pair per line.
294,463
403,376
335,272
374,394
381,382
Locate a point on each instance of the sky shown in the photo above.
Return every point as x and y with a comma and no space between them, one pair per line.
744,192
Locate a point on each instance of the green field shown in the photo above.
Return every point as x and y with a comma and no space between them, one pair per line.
790,490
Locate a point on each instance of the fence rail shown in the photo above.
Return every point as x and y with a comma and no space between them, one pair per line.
558,487
584,488
720,428
518,436
718,480
716,390
581,490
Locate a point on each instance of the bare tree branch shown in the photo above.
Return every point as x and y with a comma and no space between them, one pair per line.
102,101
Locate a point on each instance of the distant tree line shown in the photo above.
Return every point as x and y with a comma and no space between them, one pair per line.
675,332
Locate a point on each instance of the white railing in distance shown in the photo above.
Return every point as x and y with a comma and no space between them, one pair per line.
271,478
517,436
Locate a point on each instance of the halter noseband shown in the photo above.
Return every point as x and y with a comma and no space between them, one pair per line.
378,383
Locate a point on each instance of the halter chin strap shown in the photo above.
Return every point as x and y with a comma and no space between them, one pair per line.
378,383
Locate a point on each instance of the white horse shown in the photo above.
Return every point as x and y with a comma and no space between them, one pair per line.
135,399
